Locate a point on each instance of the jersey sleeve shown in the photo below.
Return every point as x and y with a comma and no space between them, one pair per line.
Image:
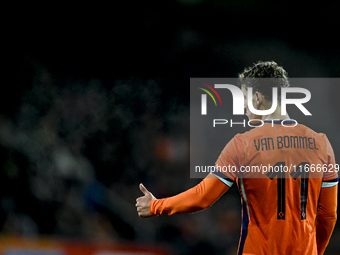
228,163
330,176
195,199
326,217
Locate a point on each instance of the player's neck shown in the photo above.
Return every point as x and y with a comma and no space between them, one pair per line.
276,115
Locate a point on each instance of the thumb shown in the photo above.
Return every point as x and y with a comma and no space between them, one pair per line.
143,189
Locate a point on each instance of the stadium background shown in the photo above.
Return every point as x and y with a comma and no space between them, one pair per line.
95,100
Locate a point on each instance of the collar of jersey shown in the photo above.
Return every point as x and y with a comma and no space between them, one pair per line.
287,122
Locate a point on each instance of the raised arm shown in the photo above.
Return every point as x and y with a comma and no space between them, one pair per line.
195,199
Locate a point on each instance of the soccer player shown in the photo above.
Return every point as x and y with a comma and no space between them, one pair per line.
291,208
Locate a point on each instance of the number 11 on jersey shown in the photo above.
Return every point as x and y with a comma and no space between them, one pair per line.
298,171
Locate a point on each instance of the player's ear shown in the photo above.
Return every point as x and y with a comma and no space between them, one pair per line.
259,98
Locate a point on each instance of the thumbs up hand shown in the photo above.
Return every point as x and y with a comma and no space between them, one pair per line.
143,203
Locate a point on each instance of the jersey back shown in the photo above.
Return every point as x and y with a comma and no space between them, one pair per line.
279,172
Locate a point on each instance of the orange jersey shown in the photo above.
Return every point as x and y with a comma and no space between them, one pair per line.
280,172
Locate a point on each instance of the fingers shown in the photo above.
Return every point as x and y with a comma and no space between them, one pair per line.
139,201
143,212
142,202
143,189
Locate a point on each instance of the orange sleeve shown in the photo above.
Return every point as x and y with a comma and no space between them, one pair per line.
195,199
326,217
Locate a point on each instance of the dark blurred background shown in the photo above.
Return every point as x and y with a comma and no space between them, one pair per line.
95,100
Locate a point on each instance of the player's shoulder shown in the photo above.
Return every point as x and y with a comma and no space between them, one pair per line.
309,131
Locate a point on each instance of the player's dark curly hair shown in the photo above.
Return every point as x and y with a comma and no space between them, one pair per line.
273,76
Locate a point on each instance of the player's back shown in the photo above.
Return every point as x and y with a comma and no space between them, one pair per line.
279,215
280,176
